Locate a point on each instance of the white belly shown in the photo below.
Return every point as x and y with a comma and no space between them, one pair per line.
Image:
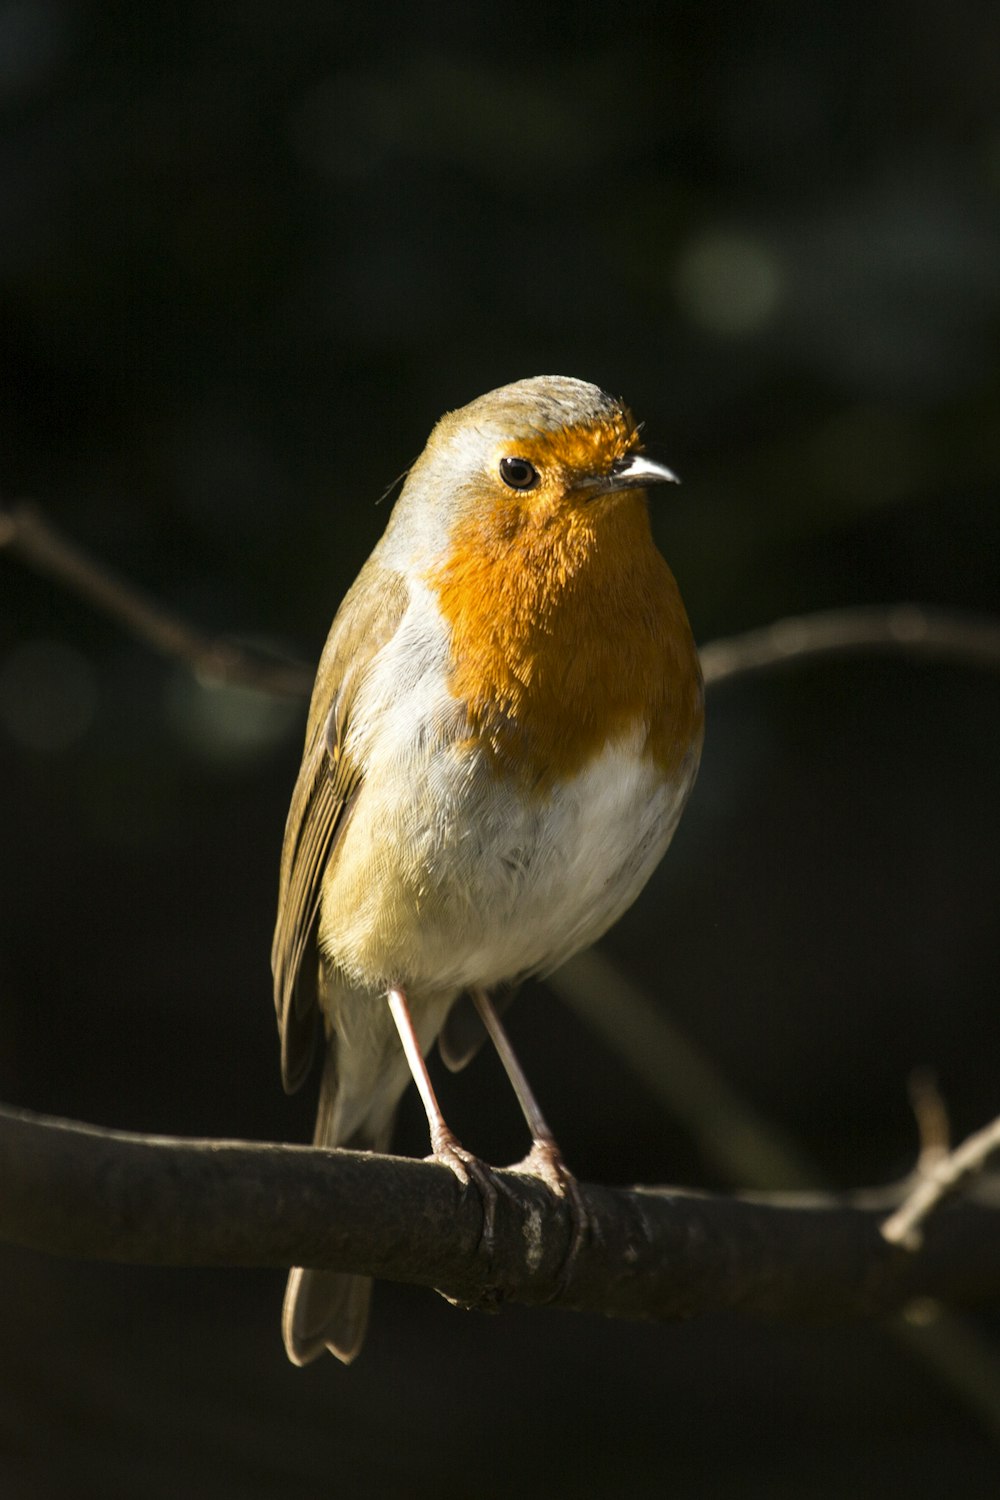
446,876
490,885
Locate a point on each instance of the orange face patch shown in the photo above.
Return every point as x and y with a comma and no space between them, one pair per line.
567,628
566,459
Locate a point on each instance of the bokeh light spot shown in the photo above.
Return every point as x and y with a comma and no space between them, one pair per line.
226,723
729,284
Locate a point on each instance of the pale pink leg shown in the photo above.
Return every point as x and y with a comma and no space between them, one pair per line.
444,1144
544,1160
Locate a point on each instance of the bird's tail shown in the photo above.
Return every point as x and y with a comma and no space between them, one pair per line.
329,1309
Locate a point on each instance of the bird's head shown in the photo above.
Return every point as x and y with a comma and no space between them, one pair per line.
536,454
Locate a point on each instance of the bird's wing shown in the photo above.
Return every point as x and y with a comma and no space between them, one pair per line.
328,782
463,1033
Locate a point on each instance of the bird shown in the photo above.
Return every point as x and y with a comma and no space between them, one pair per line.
505,727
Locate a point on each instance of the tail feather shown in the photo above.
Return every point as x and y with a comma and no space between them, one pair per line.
325,1310
328,1310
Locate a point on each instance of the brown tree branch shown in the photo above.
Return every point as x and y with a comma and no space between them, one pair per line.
658,1254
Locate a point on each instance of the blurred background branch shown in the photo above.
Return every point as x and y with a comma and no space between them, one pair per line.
939,1178
752,1153
910,629
27,535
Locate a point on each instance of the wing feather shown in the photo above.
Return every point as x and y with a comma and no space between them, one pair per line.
327,785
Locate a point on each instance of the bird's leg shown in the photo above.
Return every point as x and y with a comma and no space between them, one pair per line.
445,1147
544,1160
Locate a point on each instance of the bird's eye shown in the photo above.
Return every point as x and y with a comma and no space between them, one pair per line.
518,473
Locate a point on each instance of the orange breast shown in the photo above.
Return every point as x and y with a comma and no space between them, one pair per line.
568,631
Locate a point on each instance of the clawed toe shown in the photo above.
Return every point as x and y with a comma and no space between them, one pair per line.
469,1169
545,1161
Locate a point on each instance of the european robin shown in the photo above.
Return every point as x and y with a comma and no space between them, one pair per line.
505,727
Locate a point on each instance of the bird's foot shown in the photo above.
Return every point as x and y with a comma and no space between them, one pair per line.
448,1152
545,1161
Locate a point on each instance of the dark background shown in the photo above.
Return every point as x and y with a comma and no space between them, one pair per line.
248,254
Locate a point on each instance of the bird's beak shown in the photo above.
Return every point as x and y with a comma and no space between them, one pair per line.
636,470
